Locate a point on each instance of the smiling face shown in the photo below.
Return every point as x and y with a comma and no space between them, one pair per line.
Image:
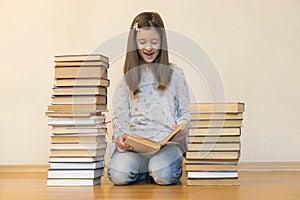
148,43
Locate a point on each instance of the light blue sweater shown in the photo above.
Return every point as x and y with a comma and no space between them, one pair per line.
151,113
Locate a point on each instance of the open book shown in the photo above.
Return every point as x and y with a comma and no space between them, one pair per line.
145,145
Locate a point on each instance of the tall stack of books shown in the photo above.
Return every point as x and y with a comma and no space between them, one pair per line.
214,143
76,114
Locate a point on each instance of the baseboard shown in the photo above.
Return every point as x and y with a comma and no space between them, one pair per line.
242,167
23,168
268,166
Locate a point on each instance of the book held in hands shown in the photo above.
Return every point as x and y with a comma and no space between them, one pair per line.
145,145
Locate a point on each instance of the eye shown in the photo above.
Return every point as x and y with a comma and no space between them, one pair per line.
142,41
154,41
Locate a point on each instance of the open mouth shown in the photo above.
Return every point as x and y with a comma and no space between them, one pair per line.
148,53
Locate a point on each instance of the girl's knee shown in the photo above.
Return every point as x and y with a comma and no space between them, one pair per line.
167,175
118,177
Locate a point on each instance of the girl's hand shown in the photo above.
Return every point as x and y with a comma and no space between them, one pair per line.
181,134
120,143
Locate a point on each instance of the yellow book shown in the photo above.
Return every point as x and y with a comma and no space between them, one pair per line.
214,139
227,107
81,57
222,155
214,147
211,167
209,181
59,91
216,123
216,116
82,82
81,72
84,99
77,152
87,107
145,145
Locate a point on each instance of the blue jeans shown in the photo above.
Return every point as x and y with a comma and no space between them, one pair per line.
165,166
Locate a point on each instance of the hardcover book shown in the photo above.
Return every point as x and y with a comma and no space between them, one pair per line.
145,145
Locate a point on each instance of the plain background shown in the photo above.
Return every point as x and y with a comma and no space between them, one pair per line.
254,45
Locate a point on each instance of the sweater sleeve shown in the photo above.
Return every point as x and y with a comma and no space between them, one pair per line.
120,111
182,98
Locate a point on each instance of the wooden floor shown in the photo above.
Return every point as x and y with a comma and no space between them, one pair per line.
254,186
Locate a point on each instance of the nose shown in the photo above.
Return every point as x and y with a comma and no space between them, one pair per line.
148,46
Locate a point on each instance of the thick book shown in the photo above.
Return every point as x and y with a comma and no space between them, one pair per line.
216,116
82,82
214,147
81,72
211,162
55,121
77,165
81,57
79,145
77,152
73,182
210,167
216,123
87,107
81,63
79,91
77,159
214,139
78,138
209,181
233,155
212,174
215,131
73,113
230,107
145,145
76,120
75,173
79,131
68,99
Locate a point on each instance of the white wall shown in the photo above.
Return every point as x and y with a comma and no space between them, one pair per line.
254,44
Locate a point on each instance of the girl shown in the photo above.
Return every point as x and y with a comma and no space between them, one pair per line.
149,100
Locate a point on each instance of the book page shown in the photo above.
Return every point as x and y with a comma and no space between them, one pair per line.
176,129
140,144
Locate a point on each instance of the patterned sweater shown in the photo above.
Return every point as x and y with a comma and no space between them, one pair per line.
150,113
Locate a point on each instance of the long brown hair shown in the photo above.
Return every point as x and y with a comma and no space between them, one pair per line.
161,66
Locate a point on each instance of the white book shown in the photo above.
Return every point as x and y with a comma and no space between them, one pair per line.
74,139
74,173
212,174
214,146
77,152
81,57
83,64
94,120
88,165
79,130
75,159
95,117
73,182
80,135
93,145
215,131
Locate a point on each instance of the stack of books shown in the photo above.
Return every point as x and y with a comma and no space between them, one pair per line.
77,117
214,143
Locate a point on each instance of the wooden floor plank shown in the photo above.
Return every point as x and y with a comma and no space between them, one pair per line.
254,185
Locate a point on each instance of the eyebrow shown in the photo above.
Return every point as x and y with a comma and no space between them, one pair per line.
156,38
